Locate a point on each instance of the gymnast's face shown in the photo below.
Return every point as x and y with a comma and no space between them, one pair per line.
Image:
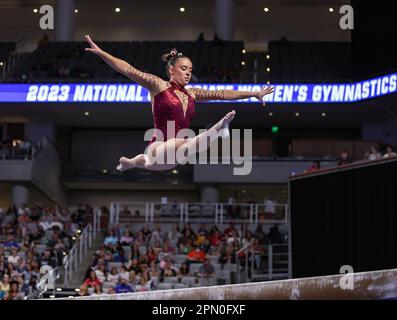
181,72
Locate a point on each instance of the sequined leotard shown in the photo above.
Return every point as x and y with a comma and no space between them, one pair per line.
172,104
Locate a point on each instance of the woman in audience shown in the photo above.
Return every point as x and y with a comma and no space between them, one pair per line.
126,239
167,248
124,272
113,276
144,284
111,239
389,152
152,254
373,154
5,283
101,273
91,281
184,270
153,269
134,253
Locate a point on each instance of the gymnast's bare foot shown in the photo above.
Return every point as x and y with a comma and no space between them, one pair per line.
125,164
224,124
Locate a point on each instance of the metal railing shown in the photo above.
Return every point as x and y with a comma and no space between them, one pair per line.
271,262
83,242
8,65
216,212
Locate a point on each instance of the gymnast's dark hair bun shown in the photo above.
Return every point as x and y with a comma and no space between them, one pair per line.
167,56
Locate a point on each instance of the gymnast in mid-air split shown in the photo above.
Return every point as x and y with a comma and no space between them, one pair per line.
171,101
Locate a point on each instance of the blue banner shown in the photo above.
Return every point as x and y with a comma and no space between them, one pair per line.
133,93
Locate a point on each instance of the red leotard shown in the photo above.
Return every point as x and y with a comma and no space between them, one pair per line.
167,106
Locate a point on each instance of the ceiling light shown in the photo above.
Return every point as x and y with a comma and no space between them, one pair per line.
117,10
86,113
243,63
182,9
323,114
268,69
243,51
267,57
266,9
35,10
76,11
297,114
331,9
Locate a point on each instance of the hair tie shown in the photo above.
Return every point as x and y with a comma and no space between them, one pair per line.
175,53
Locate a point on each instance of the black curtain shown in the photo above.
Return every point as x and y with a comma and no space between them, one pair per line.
344,218
373,39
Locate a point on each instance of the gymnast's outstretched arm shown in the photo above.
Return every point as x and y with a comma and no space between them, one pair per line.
151,82
202,94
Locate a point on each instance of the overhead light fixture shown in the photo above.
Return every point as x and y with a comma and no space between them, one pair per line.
323,114
297,114
104,171
1,63
86,113
270,114
76,10
267,57
182,9
266,9
243,63
331,9
117,10
175,171
268,69
243,51
35,10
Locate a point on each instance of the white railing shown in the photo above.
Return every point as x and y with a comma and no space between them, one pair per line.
218,213
278,263
80,248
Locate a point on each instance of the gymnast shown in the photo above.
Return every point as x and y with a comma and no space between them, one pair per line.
171,101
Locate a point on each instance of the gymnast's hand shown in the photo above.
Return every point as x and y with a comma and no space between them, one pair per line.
94,48
264,91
